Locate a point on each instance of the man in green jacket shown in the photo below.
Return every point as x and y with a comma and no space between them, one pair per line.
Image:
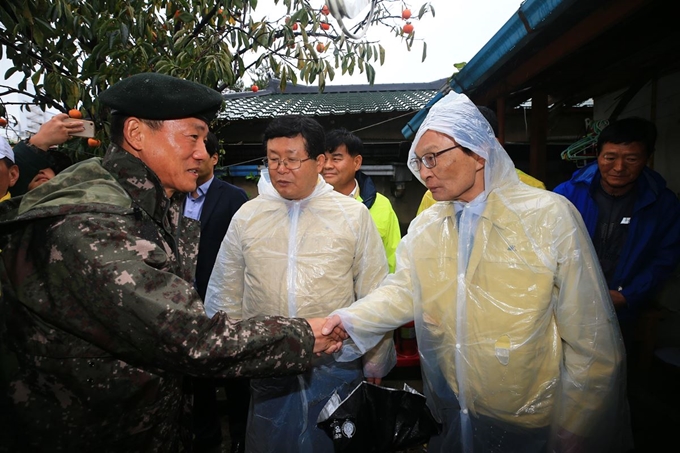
97,302
341,169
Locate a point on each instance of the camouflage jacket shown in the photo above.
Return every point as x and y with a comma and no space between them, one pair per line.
99,309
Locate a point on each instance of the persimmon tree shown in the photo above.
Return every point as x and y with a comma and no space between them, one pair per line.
71,50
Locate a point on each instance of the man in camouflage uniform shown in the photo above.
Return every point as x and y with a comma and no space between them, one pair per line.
98,305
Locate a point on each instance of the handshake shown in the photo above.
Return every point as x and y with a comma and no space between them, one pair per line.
328,334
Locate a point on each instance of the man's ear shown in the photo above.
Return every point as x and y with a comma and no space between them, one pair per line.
134,133
320,161
13,175
481,162
358,159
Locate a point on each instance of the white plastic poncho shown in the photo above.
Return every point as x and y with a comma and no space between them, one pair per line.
519,344
301,258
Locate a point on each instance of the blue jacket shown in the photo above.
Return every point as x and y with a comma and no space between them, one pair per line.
652,248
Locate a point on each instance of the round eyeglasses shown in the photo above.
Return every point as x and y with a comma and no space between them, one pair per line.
429,159
289,163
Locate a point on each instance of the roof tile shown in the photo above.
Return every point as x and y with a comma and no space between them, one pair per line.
263,105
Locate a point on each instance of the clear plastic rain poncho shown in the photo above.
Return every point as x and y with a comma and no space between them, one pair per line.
301,258
519,344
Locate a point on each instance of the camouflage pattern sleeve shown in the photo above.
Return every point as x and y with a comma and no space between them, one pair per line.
107,287
100,314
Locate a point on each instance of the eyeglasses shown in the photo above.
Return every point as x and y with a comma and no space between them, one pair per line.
290,163
429,159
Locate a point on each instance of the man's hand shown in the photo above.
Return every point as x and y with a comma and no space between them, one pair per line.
329,340
618,299
55,132
332,323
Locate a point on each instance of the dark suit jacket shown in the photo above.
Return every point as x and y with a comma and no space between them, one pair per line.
221,203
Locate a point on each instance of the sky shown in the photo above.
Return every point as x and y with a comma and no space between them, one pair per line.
458,31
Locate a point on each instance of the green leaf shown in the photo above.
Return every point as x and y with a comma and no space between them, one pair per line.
274,64
124,33
300,60
35,78
424,51
112,40
282,85
370,74
38,37
297,16
72,50
330,71
10,72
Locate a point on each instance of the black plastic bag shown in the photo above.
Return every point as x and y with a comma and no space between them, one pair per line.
378,419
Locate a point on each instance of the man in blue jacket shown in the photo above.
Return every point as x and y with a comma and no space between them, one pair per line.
632,218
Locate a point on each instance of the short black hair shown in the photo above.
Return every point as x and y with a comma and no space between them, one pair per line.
59,161
8,162
629,130
212,144
291,126
341,136
116,129
491,117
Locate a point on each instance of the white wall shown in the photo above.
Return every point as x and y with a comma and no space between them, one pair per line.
664,110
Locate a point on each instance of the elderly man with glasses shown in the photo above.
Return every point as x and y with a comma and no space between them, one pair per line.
299,248
519,345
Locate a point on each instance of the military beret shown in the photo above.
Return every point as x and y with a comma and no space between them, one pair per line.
154,96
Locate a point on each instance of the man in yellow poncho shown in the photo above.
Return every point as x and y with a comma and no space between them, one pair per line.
519,345
342,170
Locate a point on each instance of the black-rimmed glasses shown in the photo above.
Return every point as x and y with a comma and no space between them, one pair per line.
429,159
289,163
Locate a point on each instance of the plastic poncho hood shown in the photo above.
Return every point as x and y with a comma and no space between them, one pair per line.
456,116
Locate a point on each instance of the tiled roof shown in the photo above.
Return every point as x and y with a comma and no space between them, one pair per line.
339,100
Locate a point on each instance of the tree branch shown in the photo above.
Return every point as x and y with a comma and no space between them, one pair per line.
30,53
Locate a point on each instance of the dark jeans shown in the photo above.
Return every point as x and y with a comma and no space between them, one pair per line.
207,411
